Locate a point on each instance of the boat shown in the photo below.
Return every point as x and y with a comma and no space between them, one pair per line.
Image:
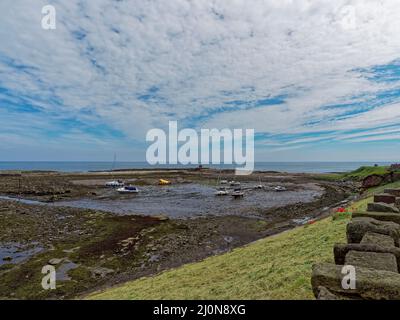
279,189
128,189
237,194
163,182
223,182
234,183
260,185
114,184
221,192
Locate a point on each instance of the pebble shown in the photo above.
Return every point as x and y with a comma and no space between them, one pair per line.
55,261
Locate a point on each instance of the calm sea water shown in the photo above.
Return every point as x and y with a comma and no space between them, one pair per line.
307,167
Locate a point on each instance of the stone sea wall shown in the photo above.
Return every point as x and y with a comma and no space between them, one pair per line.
372,250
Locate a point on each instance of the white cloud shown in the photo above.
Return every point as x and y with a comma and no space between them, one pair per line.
194,52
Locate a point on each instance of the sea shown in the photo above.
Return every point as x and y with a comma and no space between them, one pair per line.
87,166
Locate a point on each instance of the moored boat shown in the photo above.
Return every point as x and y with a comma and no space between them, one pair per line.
221,192
164,182
128,189
114,184
234,183
237,193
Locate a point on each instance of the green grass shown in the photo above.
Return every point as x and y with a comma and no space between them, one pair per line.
365,171
357,174
380,189
278,267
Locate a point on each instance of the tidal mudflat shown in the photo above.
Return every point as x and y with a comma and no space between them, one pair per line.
195,200
96,237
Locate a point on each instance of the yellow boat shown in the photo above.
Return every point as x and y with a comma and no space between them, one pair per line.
163,182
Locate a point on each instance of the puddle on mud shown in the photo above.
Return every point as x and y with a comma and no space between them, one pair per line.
189,200
14,253
24,201
62,271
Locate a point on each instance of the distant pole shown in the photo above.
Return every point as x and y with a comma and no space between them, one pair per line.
114,162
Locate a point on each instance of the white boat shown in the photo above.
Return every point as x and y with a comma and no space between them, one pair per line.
223,182
128,189
237,194
114,184
279,188
234,183
221,192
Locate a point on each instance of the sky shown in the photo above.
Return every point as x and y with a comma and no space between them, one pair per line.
318,80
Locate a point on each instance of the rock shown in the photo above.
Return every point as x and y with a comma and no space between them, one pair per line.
373,180
72,250
154,258
7,258
324,294
382,207
357,228
385,198
394,192
370,283
372,260
340,251
395,176
228,239
55,261
162,217
101,272
381,216
377,239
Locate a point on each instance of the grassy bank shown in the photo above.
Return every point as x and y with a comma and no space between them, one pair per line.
277,267
358,174
366,171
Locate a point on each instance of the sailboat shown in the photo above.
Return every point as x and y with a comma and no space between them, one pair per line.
260,185
114,183
221,191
